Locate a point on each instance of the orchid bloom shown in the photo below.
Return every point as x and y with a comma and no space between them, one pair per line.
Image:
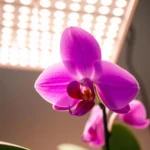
93,133
137,115
68,85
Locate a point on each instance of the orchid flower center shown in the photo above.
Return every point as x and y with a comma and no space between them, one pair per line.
81,90
86,93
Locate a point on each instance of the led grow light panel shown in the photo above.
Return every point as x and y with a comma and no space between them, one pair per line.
30,30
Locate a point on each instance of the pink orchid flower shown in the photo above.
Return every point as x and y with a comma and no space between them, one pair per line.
137,115
68,85
93,133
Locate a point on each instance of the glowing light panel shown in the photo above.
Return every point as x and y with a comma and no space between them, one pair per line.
30,30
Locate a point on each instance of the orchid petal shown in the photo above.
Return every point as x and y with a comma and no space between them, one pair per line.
71,106
93,133
55,107
81,48
117,87
73,90
82,108
123,110
137,116
52,85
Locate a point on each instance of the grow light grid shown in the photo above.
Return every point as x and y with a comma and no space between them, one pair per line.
30,30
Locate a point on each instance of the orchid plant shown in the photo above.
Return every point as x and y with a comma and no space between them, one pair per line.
83,82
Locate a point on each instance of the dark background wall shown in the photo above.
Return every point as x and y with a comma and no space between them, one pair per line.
27,120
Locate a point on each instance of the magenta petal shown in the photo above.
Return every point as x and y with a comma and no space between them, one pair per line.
52,85
123,110
82,108
55,107
117,87
137,116
73,90
93,133
81,48
71,106
98,69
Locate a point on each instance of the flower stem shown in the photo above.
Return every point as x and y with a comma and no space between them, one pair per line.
106,147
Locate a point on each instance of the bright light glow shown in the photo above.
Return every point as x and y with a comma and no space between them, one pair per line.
9,1
58,22
45,58
87,17
30,33
45,20
35,11
45,35
104,10
13,56
109,41
59,14
72,23
115,20
9,8
45,3
22,25
23,18
98,33
44,27
75,7
5,42
111,34
33,58
34,34
57,29
26,2
73,16
99,26
60,5
34,26
121,3
106,2
86,25
91,1
118,11
7,30
76,0
101,19
113,27
8,16
23,57
89,8
4,55
21,33
45,12
24,10
6,36
8,23
34,19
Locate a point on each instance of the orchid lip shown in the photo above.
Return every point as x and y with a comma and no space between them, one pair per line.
81,90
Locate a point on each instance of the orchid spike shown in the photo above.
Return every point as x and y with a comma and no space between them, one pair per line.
68,85
137,115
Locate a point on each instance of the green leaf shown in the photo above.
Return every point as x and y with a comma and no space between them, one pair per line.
9,146
122,139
